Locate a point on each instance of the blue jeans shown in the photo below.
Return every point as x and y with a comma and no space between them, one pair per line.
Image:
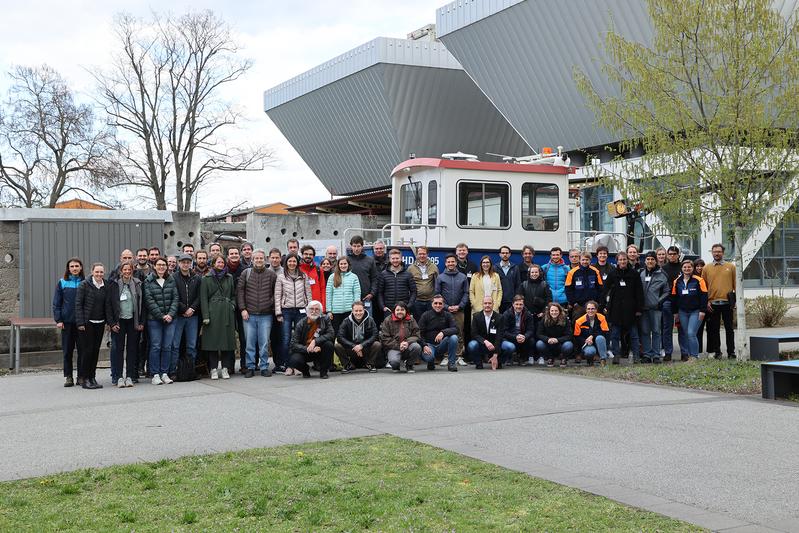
651,327
615,339
477,350
525,349
448,345
554,351
600,347
690,324
188,327
257,330
291,317
161,335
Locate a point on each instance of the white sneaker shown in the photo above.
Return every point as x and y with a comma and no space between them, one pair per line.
165,379
225,374
662,353
530,361
121,383
236,366
541,361
214,373
128,382
610,354
157,380
444,362
388,365
461,362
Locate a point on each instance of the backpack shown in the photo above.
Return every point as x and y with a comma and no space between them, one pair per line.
186,370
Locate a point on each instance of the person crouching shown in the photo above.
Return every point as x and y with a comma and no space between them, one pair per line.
313,342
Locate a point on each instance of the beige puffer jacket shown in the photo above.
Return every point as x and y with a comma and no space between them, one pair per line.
291,291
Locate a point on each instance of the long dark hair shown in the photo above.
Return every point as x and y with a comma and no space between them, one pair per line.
66,268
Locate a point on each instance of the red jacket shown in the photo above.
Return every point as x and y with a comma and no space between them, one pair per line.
317,281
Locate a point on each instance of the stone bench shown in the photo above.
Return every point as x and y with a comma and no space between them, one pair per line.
767,347
780,379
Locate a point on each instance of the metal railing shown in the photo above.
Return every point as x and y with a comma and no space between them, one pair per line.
586,240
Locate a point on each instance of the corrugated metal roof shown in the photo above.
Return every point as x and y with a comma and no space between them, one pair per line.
460,13
419,53
352,131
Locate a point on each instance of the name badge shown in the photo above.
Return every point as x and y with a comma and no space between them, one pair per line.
312,282
302,311
493,331
468,274
368,304
316,334
604,277
123,297
425,276
622,283
648,278
579,283
685,291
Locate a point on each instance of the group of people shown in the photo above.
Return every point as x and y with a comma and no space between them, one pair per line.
374,311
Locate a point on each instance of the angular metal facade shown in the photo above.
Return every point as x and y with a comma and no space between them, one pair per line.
354,118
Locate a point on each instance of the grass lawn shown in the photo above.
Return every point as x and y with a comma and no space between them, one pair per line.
376,483
705,374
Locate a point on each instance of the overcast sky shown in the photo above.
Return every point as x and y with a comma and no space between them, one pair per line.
282,38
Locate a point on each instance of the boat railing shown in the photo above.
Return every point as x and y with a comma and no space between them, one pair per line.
410,242
588,240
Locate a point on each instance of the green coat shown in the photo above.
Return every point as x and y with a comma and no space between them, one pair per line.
217,301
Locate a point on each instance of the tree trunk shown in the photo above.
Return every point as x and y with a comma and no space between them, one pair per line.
741,337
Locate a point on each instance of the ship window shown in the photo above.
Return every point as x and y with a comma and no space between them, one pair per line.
540,207
411,203
432,202
483,205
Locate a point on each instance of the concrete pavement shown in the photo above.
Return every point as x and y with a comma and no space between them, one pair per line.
725,462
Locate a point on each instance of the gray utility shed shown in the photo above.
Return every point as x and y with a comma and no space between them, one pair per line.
49,237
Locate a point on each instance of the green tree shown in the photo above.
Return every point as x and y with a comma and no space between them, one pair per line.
713,103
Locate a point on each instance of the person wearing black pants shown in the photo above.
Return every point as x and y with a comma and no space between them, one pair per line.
92,313
126,298
64,315
313,342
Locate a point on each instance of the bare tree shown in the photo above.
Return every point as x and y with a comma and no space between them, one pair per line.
49,144
163,96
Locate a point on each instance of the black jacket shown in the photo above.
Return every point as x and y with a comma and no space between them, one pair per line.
346,332
625,296
536,295
92,303
364,267
526,326
325,331
561,332
393,287
188,292
481,334
508,281
431,323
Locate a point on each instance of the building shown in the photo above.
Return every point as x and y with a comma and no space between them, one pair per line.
240,215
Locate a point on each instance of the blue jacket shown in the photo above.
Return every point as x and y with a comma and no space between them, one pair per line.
454,287
556,278
689,297
584,284
64,299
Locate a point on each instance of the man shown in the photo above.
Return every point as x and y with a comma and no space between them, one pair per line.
246,254
293,246
486,336
214,250
583,284
555,273
518,333
143,268
235,268
467,268
315,276
453,286
380,257
171,264
508,277
153,254
424,273
399,336
395,284
439,335
201,266
255,296
574,257
188,249
275,261
276,336
186,321
364,267
720,278
672,271
656,291
633,257
522,271
313,342
602,264
125,257
356,343
331,252
625,305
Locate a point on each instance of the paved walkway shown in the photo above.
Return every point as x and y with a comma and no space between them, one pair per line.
723,462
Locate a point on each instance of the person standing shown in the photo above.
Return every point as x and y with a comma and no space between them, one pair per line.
214,250
171,264
92,313
720,279
217,296
161,302
246,254
292,296
364,267
125,257
453,286
315,276
342,292
485,283
487,335
424,273
554,335
126,324
602,264
327,267
380,257
519,333
555,273
672,271
186,320
399,336
255,296
143,267
331,252
235,269
508,277
522,271
395,284
625,305
591,334
153,254
583,283
313,342
656,292
439,335
633,257
699,267
201,266
468,268
356,341
64,316
689,298
574,258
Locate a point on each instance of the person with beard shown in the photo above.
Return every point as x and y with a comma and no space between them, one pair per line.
313,342
518,332
508,277
468,268
439,335
315,275
672,271
356,341
235,269
217,296
537,295
528,252
143,268
201,266
399,336
255,296
625,305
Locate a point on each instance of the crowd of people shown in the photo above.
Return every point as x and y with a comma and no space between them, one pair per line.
198,308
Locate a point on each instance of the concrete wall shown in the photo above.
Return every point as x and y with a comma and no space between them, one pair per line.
267,231
184,229
9,271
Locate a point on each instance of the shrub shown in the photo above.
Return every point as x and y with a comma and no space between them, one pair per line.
768,310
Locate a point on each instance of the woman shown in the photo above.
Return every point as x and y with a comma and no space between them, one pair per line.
219,321
126,324
326,266
64,315
161,304
485,283
689,299
342,293
92,313
536,291
699,266
591,334
292,295
554,335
